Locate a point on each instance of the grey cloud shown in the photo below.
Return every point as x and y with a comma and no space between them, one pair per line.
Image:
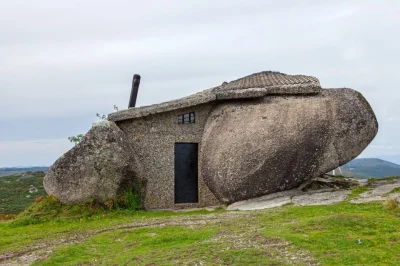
71,59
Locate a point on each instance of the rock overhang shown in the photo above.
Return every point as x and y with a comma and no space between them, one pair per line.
250,149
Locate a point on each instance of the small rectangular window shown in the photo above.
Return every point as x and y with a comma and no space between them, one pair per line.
180,119
186,118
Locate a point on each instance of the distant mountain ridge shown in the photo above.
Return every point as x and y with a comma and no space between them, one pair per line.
5,171
360,168
369,167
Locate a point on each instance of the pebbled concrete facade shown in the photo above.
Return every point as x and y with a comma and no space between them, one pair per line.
154,137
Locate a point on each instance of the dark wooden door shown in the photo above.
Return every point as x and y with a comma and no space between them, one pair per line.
186,173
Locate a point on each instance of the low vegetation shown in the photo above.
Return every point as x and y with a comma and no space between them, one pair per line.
392,205
371,181
395,190
50,209
19,191
358,191
118,232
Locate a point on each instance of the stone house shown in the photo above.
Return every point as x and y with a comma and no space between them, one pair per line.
168,136
260,134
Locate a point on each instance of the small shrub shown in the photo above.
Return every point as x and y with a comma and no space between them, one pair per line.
7,217
130,199
109,203
39,199
76,139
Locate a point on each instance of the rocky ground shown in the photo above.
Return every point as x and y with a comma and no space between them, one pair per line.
323,191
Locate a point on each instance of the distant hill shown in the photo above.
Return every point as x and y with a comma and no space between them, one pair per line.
369,167
5,171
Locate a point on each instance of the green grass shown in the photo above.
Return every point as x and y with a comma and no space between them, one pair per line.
357,192
332,232
173,245
395,190
371,181
325,234
14,192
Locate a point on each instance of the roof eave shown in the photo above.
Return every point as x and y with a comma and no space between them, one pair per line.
210,96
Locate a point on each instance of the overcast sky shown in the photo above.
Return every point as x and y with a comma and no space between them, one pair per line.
61,62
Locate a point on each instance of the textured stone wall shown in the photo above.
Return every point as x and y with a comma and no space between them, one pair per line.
154,137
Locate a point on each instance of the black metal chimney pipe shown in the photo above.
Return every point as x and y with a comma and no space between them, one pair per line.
134,91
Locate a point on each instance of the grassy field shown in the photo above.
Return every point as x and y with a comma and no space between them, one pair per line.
50,233
14,191
339,234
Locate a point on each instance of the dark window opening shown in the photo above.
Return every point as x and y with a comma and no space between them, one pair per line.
186,118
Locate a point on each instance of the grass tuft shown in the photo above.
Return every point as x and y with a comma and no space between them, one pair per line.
395,190
49,208
391,205
7,217
357,192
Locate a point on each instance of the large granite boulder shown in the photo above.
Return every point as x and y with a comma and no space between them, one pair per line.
101,166
261,146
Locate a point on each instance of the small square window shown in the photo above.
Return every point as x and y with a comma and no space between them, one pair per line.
186,118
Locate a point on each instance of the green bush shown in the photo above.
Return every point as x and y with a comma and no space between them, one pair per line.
130,199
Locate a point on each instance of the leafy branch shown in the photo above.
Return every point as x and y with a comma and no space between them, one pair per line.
76,139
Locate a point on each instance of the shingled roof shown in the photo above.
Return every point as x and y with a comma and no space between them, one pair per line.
268,83
252,86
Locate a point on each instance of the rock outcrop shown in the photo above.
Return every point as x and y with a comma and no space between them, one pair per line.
102,165
333,190
272,144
